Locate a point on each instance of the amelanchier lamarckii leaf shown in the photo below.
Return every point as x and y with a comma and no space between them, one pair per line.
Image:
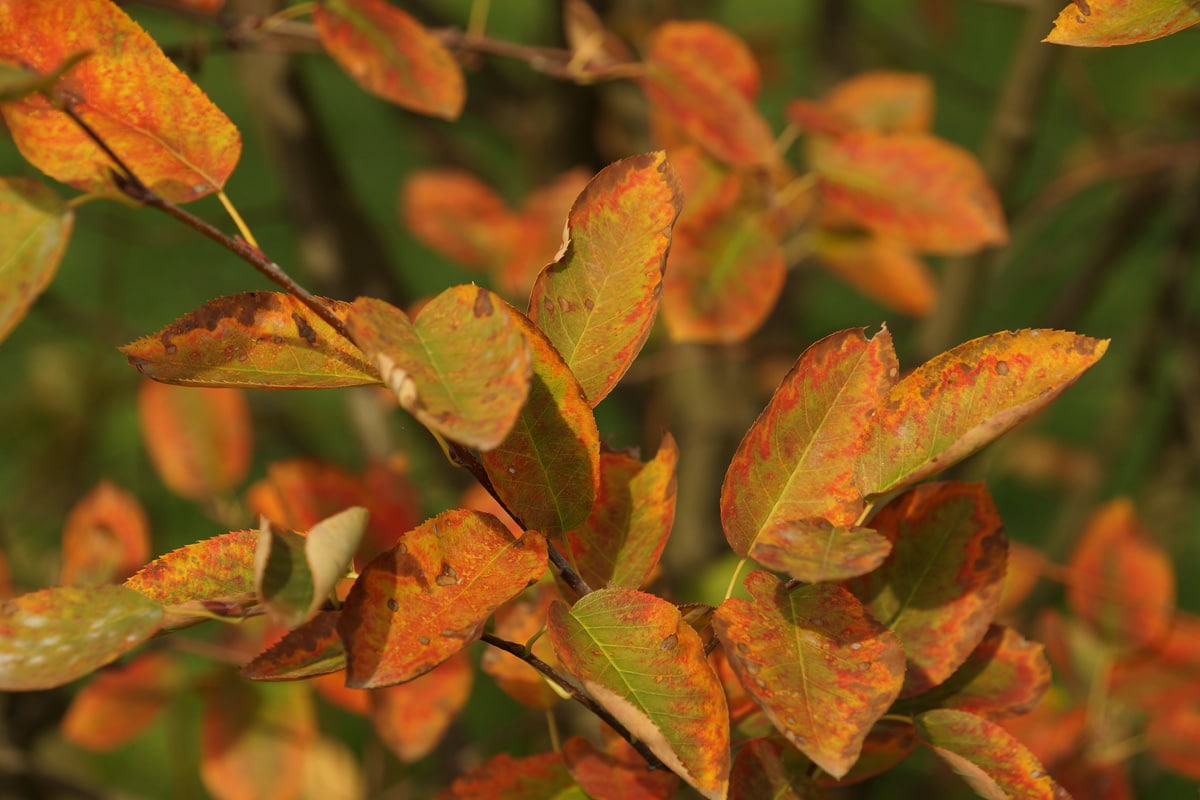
412,717
616,770
503,777
419,603
883,101
391,55
35,225
1104,23
255,340
957,402
53,636
120,702
636,656
17,82
880,268
134,97
598,300
821,668
306,651
796,462
814,551
106,537
462,367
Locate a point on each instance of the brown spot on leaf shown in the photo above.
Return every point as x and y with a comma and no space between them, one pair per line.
669,643
1084,8
423,640
483,304
392,605
305,330
1001,367
447,577
547,305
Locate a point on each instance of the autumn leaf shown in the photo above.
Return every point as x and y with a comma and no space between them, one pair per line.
769,767
53,636
253,340
1104,23
880,269
520,620
120,702
412,717
106,537
615,771
598,300
814,550
17,81
884,101
35,225
1172,737
821,668
308,650
161,125
889,742
594,48
539,233
957,402
417,604
503,777
636,657
462,367
458,215
391,55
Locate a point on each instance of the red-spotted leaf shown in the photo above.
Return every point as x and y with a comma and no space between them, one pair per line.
889,742
458,215
814,550
884,101
255,340
796,462
106,537
991,761
957,402
503,777
548,467
391,55
598,300
770,767
520,620
912,187
883,270
636,656
35,225
419,603
941,585
306,651
214,577
412,717
134,97
624,536
121,702
615,771
53,636
462,367
199,438
821,668
1104,23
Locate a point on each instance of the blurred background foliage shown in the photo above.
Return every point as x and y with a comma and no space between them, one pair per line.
1103,197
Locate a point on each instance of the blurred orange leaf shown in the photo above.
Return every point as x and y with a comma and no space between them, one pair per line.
503,777
1172,737
884,101
615,771
771,767
121,702
412,717
458,215
889,742
1104,23
539,233
519,620
35,225
883,270
106,537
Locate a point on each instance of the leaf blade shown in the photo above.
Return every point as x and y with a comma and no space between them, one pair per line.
35,225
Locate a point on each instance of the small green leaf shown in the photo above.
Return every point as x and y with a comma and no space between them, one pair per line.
35,225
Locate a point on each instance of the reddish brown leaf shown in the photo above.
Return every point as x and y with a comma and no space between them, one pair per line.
458,215
957,402
412,717
519,620
636,656
121,702
506,778
1122,582
1172,736
264,340
884,101
391,55
132,96
884,271
306,651
889,742
1104,23
332,686
797,460
814,551
820,667
106,537
417,604
35,225
624,536
616,771
770,767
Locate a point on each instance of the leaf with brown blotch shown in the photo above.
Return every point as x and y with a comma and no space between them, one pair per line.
814,551
520,620
991,761
1105,23
106,537
771,767
308,650
625,533
53,636
412,717
598,300
914,188
196,582
880,269
546,471
889,742
421,602
391,55
199,438
121,702
637,658
35,225
1122,582
503,777
459,216
462,367
253,340
616,771
884,101
822,669
941,585
957,402
797,460
135,99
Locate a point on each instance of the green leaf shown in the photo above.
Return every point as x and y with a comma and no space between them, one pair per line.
35,225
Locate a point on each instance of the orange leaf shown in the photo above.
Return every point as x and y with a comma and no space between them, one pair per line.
151,114
822,669
957,402
796,461
519,620
1055,730
1104,23
770,767
419,603
106,537
635,655
912,187
539,233
35,225
199,438
1172,737
598,300
506,778
814,551
412,717
391,55
889,742
616,771
458,215
1123,582
332,686
262,340
121,702
884,101
881,269
310,649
